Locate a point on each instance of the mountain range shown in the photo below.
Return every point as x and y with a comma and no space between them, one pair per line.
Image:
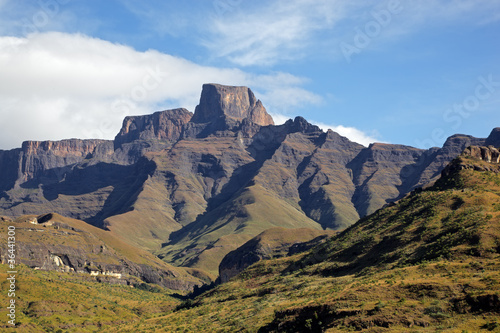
428,262
220,220
191,187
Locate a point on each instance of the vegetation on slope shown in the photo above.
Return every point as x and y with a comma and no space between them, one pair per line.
69,302
204,243
429,263
273,243
84,248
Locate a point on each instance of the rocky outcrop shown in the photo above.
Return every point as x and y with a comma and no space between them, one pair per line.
494,138
488,154
225,111
232,102
64,148
477,158
165,126
39,157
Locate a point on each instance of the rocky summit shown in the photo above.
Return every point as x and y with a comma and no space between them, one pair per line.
233,102
191,187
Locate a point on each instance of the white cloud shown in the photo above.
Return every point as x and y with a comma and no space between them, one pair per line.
286,99
351,133
57,85
278,118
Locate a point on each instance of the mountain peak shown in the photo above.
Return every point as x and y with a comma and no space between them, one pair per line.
163,125
300,124
236,102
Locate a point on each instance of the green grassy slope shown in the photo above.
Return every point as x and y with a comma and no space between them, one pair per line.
62,302
185,177
272,243
230,225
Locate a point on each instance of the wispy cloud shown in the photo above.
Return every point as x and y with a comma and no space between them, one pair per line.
164,17
277,31
288,30
20,18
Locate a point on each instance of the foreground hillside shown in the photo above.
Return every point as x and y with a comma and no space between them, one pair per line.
62,302
430,262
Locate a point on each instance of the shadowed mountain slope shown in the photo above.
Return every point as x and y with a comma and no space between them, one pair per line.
273,243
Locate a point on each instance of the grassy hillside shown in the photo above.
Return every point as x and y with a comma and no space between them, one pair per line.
430,263
82,247
231,225
457,218
63,302
273,243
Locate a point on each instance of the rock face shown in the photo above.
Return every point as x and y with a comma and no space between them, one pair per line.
194,187
488,154
478,158
164,125
224,110
10,169
494,138
38,157
238,103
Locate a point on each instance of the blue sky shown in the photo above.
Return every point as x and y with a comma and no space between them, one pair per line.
406,72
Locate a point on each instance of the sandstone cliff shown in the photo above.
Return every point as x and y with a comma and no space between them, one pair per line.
238,103
478,158
488,154
165,126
